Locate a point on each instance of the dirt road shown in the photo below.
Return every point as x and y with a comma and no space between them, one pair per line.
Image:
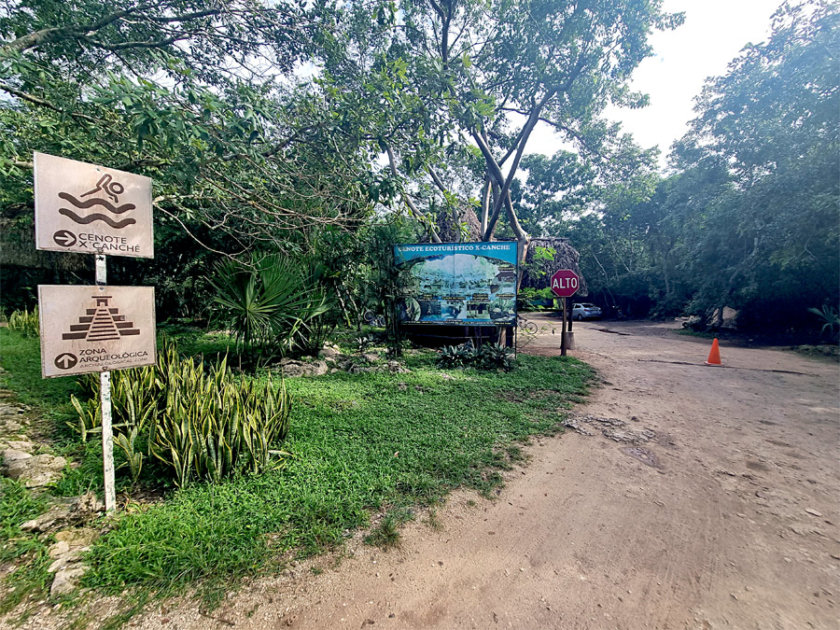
715,503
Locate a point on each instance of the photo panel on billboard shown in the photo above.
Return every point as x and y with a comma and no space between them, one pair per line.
468,284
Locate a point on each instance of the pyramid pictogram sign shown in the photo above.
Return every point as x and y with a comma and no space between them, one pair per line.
102,323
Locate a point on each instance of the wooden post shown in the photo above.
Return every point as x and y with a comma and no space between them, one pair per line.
563,330
105,406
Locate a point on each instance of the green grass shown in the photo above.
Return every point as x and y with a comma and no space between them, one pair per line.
20,357
27,551
386,534
360,444
194,341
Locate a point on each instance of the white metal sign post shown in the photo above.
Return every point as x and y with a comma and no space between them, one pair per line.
105,407
92,209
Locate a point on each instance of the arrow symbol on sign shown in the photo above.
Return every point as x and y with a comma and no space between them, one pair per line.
65,238
65,361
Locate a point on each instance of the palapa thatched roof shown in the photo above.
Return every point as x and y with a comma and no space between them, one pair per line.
565,257
448,224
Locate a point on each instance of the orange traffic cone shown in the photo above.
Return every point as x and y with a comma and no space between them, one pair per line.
714,354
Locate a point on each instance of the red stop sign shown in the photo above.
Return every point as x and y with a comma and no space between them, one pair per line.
564,283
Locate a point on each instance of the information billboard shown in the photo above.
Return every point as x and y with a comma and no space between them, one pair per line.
468,284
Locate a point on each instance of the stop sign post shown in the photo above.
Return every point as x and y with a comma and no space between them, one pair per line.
564,284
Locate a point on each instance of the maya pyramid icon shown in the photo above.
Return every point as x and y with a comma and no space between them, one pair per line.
101,323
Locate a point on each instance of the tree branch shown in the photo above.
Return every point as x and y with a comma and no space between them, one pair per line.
187,17
189,233
131,45
436,179
35,100
48,35
407,200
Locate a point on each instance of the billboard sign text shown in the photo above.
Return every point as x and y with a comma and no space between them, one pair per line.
90,209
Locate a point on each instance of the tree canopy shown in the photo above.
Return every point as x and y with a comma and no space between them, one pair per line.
749,218
283,125
464,83
198,95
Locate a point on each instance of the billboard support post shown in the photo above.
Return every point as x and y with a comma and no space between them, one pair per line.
105,406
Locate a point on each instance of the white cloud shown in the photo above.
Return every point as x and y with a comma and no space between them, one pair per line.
712,35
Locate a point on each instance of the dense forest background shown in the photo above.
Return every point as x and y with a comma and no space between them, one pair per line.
324,131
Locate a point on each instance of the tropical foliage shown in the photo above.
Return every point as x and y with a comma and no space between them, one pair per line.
454,90
749,217
488,356
294,127
197,421
189,93
271,305
25,322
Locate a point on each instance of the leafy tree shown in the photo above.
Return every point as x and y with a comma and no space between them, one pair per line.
200,96
466,82
769,238
750,217
196,95
558,187
605,205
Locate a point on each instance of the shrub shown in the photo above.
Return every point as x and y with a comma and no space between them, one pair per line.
386,282
530,299
456,356
25,323
526,298
494,356
830,320
488,357
363,343
270,304
197,420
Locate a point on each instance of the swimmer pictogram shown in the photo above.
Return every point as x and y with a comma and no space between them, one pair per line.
108,186
101,323
106,183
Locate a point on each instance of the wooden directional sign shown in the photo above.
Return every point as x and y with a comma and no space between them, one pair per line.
91,209
95,328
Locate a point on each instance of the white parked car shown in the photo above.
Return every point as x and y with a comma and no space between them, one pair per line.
586,310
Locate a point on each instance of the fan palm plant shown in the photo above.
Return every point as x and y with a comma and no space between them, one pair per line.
830,318
269,303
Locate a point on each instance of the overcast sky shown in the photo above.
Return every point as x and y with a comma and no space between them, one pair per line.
712,35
